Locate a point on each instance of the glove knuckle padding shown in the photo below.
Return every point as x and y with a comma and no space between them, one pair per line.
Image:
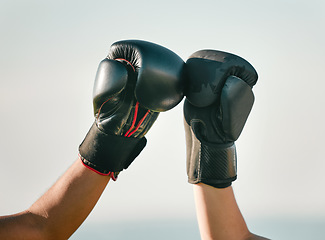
236,102
207,71
159,84
202,81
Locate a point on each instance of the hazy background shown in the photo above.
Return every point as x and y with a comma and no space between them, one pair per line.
49,53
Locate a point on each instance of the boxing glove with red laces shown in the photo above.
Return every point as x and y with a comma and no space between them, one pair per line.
218,101
136,82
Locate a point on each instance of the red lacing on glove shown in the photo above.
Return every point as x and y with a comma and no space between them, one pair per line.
129,133
122,59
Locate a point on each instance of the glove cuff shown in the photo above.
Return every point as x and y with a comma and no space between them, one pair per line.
106,153
218,165
209,163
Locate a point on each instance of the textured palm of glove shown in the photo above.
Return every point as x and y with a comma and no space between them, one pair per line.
133,84
218,101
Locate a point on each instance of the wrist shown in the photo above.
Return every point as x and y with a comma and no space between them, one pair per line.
107,153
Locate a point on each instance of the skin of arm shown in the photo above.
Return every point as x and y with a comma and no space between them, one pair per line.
218,214
59,212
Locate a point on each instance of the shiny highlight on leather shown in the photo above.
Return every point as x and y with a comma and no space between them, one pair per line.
160,85
213,68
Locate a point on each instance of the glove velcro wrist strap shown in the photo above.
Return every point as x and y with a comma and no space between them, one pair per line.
214,164
107,153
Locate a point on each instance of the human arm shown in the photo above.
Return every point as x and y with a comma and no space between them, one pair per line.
61,210
219,98
135,82
218,214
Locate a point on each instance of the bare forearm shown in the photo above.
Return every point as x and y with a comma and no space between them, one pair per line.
61,210
219,216
23,225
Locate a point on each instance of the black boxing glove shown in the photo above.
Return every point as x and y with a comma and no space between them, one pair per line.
136,81
218,101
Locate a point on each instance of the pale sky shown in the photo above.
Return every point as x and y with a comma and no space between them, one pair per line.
50,51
